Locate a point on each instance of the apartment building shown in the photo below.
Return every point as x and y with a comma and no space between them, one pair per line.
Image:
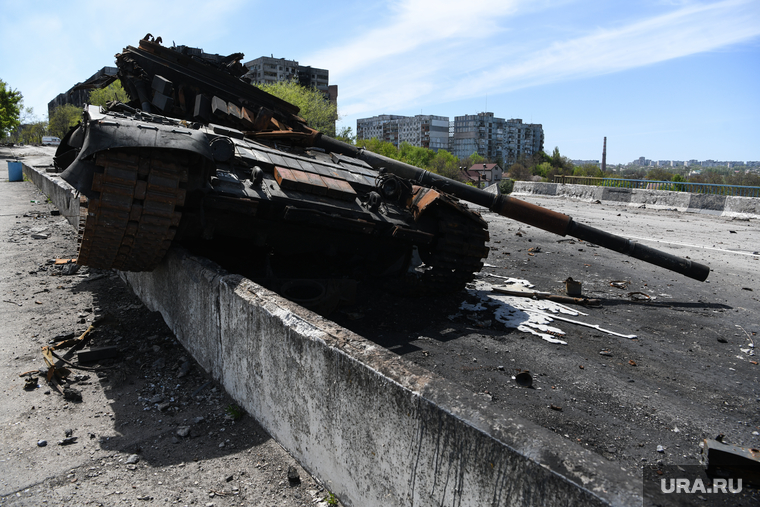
495,138
521,140
427,131
267,69
79,94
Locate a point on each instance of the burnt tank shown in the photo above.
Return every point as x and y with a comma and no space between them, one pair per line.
201,157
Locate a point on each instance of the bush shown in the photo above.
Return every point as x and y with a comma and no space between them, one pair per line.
506,185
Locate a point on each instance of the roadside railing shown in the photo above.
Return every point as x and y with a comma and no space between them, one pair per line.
673,186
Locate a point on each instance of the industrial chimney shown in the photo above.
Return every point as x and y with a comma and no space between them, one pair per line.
604,156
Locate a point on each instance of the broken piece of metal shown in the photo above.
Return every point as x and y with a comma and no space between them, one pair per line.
548,296
728,461
573,287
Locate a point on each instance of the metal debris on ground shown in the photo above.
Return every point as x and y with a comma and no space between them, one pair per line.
545,295
731,461
573,287
641,296
751,350
97,353
619,284
30,382
56,372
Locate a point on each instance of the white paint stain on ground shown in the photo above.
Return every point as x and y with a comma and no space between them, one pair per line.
524,313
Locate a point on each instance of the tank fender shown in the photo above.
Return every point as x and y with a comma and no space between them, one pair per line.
107,133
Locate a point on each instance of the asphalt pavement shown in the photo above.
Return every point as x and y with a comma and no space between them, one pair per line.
690,373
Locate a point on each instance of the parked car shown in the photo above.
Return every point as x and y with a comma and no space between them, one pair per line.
51,141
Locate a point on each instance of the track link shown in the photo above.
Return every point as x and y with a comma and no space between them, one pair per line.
132,222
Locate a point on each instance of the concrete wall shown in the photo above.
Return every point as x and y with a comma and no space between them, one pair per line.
744,207
375,428
60,193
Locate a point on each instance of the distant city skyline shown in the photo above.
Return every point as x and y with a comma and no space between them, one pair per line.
662,78
645,162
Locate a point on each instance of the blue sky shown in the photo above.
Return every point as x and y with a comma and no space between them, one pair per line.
664,79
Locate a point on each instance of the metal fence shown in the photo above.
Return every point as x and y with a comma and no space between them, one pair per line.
673,186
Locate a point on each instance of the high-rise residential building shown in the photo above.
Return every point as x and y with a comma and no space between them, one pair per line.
267,69
495,138
427,131
79,94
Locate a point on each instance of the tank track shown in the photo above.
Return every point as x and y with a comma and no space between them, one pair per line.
132,222
458,253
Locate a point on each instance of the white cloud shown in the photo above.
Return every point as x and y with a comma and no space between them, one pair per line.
416,24
450,54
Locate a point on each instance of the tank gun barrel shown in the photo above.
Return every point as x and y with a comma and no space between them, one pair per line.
548,220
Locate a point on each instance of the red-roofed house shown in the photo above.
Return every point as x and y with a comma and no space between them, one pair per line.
484,175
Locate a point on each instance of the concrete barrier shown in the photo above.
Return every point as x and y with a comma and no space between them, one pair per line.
744,207
535,188
706,203
584,192
616,194
375,428
61,194
660,199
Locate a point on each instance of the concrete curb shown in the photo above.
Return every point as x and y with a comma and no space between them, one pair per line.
61,194
375,428
729,206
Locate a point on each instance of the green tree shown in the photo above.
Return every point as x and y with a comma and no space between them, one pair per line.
519,172
415,155
445,164
32,128
375,145
592,170
543,169
562,163
10,109
63,118
659,174
315,108
714,177
743,178
346,134
114,91
31,133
